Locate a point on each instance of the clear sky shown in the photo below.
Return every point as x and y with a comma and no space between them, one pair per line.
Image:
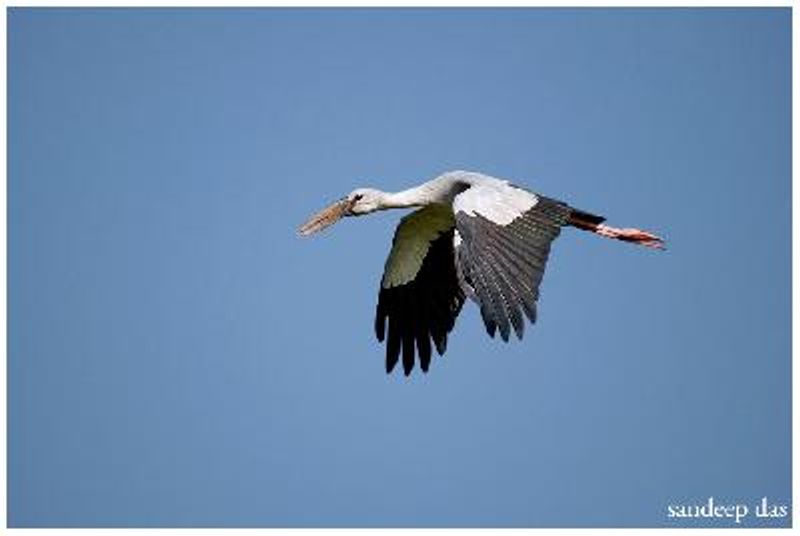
179,357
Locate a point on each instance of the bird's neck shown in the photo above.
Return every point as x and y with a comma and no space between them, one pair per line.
442,189
413,197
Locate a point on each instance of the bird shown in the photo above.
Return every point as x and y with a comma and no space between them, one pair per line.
472,236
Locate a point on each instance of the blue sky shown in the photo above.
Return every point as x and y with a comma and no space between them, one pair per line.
177,356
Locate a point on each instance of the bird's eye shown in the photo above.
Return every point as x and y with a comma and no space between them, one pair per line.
358,197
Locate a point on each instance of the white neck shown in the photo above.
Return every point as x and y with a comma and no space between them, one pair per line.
442,189
413,197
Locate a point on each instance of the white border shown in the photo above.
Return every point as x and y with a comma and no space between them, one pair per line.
393,3
398,3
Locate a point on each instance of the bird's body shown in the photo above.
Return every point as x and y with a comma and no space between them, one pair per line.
472,236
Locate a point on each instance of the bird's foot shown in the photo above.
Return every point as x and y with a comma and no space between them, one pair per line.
636,236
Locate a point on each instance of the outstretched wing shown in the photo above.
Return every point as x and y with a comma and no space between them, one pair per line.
420,296
503,240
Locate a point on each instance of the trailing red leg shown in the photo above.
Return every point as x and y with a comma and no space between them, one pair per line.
636,236
589,222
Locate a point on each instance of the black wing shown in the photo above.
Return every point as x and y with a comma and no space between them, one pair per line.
502,264
420,296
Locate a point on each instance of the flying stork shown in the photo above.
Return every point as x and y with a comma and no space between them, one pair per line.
472,236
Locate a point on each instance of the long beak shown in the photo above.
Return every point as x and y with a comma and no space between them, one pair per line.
326,217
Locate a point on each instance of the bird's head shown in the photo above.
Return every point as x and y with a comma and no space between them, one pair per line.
359,202
364,201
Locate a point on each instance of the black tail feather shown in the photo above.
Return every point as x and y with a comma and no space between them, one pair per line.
584,220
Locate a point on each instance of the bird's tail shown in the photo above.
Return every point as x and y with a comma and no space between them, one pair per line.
590,222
